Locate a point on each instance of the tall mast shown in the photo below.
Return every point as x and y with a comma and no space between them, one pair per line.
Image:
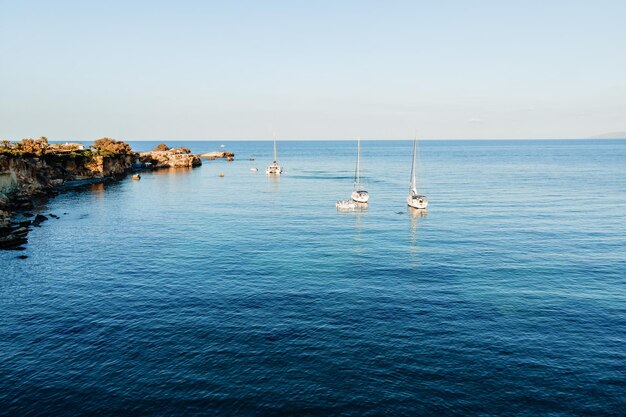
413,182
357,176
274,146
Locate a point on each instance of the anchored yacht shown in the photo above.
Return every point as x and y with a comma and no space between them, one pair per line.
415,199
274,168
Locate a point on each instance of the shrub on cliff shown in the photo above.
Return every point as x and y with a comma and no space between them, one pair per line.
161,147
6,147
112,146
79,157
35,147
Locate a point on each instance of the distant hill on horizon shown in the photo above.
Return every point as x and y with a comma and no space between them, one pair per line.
611,135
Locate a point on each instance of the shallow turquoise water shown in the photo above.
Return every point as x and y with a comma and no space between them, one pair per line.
186,293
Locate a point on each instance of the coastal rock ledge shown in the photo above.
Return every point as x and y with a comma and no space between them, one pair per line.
33,170
172,158
218,155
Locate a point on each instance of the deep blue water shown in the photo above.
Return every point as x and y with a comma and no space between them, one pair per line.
189,294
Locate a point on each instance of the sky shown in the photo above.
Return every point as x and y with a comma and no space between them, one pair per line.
206,70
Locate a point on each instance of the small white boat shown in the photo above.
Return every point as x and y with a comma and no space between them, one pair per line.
346,205
254,169
274,168
415,199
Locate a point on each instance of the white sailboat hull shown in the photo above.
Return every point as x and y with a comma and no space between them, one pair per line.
274,169
360,196
417,201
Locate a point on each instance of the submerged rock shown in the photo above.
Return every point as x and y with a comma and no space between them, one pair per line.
12,242
21,231
40,218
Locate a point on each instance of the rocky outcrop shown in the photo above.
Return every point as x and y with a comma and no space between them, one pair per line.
12,234
109,166
171,158
24,177
34,168
217,155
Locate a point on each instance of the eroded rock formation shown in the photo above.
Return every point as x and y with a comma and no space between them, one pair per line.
172,158
217,155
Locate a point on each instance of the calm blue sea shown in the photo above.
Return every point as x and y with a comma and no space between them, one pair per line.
190,294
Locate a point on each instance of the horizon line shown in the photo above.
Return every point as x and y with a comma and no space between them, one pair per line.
320,139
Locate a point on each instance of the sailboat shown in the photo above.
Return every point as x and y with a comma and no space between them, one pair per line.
274,168
359,197
414,199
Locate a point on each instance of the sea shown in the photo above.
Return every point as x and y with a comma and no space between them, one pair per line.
191,294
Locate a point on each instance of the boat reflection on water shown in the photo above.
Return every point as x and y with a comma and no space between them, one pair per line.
416,213
358,226
416,216
358,210
273,186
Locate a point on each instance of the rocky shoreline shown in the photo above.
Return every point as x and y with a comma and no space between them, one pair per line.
31,171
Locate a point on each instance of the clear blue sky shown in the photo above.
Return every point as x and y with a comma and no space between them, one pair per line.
312,69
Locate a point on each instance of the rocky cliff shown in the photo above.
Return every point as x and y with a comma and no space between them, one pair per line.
24,175
33,168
